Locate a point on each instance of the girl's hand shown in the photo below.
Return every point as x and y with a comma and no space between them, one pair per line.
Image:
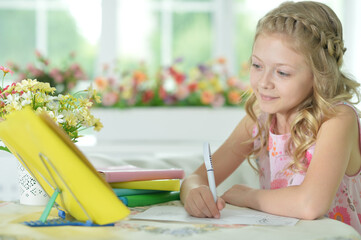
238,195
200,203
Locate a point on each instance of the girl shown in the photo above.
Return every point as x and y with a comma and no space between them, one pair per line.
300,125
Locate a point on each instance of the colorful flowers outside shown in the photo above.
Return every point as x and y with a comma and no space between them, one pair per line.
63,78
70,112
207,84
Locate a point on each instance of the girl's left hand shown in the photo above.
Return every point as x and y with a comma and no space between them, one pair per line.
237,195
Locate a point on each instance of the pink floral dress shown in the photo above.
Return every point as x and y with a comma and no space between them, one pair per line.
273,162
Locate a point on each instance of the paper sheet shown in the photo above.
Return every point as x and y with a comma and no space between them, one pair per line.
228,216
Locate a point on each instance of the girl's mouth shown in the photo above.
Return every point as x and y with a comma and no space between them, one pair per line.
267,98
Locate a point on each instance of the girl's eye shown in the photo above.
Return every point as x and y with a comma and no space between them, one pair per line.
283,74
255,65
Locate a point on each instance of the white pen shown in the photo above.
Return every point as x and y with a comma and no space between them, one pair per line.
208,162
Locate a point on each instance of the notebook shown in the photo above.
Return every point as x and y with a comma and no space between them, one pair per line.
132,173
162,184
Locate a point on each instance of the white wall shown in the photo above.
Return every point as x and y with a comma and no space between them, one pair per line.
163,129
352,37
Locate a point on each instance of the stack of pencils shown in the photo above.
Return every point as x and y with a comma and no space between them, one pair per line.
142,187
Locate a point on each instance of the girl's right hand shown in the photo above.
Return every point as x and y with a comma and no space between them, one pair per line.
200,203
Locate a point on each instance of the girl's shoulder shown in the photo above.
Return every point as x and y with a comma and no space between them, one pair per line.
346,112
346,118
345,108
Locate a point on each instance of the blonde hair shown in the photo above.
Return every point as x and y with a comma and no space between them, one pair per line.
316,33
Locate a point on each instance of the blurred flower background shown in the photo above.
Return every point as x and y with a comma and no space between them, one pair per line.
63,77
208,84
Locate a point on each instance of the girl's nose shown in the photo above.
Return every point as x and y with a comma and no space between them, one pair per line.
265,81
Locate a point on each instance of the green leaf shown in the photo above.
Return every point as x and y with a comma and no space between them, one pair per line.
5,149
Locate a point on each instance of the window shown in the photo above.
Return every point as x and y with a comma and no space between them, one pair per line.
160,32
123,32
53,27
18,35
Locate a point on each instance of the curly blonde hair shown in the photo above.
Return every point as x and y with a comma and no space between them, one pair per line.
316,33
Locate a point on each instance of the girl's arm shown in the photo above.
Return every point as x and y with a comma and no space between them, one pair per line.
195,193
336,153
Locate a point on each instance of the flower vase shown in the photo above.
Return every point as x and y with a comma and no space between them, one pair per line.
31,192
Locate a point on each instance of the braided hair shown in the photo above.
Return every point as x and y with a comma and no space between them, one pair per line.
316,33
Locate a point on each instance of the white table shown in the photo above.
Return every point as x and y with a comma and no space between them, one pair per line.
12,215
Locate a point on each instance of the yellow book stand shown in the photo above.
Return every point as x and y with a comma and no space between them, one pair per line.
62,170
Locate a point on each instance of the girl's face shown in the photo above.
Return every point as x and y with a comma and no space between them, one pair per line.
280,77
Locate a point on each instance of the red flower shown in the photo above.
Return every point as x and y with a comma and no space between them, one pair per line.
308,159
178,77
340,214
279,183
192,87
147,96
162,93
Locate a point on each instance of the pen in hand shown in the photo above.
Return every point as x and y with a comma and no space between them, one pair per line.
210,173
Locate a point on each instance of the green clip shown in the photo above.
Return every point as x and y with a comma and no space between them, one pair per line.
49,206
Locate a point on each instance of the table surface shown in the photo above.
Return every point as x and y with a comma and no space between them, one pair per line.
12,214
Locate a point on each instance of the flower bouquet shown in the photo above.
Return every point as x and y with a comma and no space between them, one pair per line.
70,112
62,78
